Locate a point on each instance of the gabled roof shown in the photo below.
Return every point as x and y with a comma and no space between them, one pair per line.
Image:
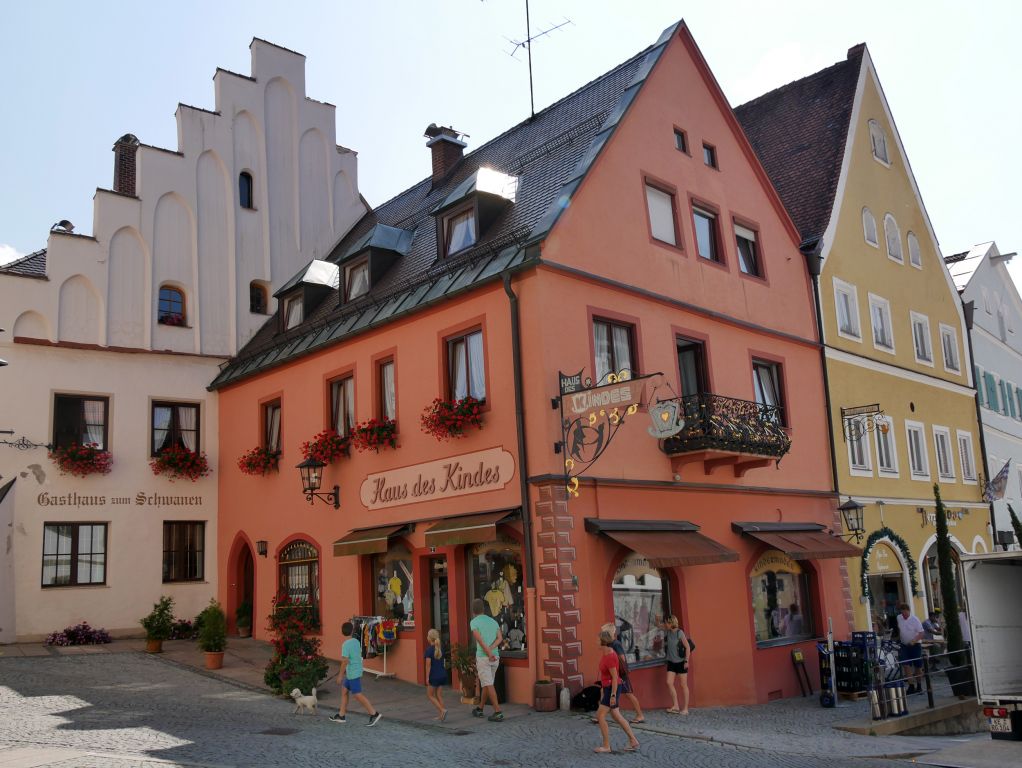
549,154
382,237
799,132
33,265
316,272
963,266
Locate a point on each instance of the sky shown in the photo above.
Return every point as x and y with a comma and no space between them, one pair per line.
78,75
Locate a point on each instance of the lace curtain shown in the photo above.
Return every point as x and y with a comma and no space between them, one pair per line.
93,416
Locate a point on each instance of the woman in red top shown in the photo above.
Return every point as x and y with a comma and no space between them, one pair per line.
610,680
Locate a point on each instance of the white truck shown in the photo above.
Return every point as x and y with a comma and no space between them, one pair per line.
993,588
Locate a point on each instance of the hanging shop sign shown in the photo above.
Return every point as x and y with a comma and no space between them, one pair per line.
882,559
591,415
859,420
667,417
477,472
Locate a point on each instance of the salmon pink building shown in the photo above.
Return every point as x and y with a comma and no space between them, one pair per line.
608,309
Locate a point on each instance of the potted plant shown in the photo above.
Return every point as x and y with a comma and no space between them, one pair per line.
544,696
463,660
159,624
82,460
243,618
960,672
326,446
259,461
175,461
374,434
447,419
213,635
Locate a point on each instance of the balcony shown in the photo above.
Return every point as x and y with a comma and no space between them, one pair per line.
727,432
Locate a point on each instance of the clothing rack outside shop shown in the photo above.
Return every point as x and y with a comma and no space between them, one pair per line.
373,621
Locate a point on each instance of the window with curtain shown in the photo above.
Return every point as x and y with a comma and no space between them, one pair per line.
945,461
921,338
915,258
660,207
859,456
781,608
880,313
641,594
298,575
887,456
919,462
869,227
965,455
949,345
767,386
245,197
342,405
183,551
612,343
893,235
356,280
388,396
74,554
460,231
466,369
174,424
292,312
171,306
271,426
496,576
846,302
79,420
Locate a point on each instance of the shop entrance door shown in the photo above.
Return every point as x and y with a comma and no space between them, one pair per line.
440,617
888,593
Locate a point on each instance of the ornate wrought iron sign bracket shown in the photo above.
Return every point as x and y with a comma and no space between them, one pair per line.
858,421
22,443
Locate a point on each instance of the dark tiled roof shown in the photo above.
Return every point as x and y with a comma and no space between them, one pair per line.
799,133
33,265
549,153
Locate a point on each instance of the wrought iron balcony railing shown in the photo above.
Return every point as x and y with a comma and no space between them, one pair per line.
729,425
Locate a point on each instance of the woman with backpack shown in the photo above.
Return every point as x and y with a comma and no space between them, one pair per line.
678,648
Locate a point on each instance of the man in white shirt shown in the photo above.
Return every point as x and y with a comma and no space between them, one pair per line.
910,632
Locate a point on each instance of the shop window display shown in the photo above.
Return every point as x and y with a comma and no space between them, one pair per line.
780,599
641,595
395,586
496,576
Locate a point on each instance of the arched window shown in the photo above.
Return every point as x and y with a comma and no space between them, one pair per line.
641,594
781,608
869,227
257,302
915,257
893,236
171,308
878,140
934,596
299,575
245,195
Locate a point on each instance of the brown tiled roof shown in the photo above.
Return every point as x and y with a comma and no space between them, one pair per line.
33,265
799,133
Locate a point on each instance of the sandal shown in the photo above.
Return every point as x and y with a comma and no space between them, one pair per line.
594,720
637,721
603,751
673,711
632,747
443,715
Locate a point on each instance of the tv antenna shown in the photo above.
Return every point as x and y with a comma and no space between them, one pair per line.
526,43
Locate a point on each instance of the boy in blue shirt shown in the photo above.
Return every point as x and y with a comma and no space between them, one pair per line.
350,678
486,633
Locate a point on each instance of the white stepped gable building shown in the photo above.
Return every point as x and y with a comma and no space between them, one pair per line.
113,338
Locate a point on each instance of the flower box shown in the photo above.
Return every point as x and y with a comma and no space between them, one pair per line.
450,419
374,434
326,446
176,462
259,461
82,460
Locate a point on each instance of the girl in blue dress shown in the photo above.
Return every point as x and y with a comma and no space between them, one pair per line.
436,673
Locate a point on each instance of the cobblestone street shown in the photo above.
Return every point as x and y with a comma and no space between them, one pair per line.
131,710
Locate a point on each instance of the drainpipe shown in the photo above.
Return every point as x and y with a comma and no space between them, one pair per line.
968,310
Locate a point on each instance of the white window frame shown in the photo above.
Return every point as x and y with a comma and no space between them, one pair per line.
944,432
875,242
945,332
900,257
892,446
290,302
969,478
841,287
885,305
865,469
919,317
915,256
917,427
349,271
876,131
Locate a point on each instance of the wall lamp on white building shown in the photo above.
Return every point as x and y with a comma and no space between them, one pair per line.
312,476
851,513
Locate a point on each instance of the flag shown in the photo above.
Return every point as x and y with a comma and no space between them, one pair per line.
994,490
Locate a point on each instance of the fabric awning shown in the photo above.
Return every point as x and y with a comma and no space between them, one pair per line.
368,541
665,544
471,529
808,542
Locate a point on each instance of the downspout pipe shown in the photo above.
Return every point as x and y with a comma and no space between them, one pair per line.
523,466
969,310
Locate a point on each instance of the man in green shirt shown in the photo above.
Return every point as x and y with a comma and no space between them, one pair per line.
488,637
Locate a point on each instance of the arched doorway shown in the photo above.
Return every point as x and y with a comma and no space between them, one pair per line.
244,579
931,579
886,586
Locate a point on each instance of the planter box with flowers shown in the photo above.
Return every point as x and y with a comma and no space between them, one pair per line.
82,460
374,434
172,318
449,419
326,446
176,462
259,461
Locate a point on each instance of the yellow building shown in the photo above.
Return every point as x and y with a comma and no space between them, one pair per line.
899,377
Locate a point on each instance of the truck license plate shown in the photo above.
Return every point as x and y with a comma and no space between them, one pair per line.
1000,725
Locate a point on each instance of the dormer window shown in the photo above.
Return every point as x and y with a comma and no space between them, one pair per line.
292,312
460,231
356,280
878,141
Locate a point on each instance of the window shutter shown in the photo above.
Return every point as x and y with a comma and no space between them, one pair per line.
1010,397
991,385
976,377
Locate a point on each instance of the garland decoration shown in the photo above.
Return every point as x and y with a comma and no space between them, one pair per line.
899,542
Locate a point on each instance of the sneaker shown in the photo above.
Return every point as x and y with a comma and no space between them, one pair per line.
338,718
373,720
477,712
496,717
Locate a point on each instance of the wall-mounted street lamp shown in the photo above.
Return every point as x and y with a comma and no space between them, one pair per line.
851,513
312,477
261,548
1005,539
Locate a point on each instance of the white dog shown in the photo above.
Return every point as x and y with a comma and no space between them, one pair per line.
306,703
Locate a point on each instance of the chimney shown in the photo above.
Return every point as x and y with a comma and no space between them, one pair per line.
447,149
856,51
125,149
